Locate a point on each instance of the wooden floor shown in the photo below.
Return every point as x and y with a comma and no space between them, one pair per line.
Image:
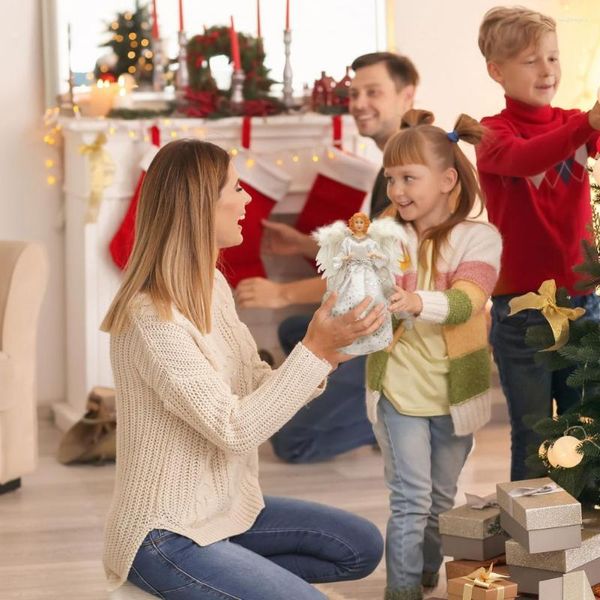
51,529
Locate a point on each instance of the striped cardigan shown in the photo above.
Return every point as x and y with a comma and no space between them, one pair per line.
467,270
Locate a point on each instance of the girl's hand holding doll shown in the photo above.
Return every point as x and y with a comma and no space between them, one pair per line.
403,301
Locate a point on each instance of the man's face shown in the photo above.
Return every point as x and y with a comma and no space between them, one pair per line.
533,75
376,104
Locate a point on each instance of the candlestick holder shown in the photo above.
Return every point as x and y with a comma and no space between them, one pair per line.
237,90
158,72
288,92
182,77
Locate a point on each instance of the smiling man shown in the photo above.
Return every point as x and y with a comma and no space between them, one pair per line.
382,90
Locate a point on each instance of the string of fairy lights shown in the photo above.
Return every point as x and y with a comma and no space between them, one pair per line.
138,131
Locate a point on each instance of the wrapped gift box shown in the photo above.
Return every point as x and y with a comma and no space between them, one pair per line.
462,568
472,533
572,586
543,522
502,589
528,570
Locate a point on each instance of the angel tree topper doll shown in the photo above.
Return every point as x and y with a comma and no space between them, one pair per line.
361,260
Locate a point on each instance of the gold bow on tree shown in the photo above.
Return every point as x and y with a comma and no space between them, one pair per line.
484,578
558,317
102,169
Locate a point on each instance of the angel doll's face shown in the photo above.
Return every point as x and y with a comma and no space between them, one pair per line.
358,225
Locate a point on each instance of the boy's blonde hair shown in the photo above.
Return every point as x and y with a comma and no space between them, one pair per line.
506,31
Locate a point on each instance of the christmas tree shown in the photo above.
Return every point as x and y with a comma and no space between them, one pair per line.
570,452
130,42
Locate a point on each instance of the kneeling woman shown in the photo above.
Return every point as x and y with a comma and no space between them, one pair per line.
194,402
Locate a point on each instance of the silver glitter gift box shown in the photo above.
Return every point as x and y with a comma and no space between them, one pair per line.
528,570
541,516
472,533
572,586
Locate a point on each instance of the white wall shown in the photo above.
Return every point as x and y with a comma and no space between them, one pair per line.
28,206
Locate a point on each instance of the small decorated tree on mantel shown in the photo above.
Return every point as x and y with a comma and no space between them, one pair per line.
130,42
570,452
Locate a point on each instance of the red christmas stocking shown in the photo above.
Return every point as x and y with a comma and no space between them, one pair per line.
267,185
339,190
122,243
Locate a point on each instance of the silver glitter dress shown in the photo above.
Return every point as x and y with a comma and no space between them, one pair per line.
355,278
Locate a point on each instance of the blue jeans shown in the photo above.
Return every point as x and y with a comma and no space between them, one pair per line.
333,423
423,459
291,544
529,387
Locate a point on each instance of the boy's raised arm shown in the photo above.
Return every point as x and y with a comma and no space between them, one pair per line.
503,153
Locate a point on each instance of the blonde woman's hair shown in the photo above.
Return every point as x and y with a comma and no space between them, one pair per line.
421,142
506,31
358,215
175,251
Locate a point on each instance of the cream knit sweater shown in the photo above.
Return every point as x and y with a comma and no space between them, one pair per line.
192,410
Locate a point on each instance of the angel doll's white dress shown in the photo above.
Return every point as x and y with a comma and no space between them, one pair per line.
359,267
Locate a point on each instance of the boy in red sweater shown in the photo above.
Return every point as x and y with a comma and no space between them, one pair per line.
533,175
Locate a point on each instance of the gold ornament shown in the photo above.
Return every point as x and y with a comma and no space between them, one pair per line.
543,450
558,317
564,452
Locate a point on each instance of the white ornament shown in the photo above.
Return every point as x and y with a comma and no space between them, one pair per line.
564,452
550,457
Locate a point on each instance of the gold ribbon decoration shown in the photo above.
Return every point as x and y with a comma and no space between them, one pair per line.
484,578
558,317
102,169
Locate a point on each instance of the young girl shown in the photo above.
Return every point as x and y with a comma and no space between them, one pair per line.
430,389
194,402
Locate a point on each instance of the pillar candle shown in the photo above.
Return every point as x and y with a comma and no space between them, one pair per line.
155,33
235,48
181,27
258,32
101,98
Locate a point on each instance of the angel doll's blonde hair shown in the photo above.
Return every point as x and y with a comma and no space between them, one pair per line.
358,215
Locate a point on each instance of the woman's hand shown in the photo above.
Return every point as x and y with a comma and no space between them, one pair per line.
326,334
403,301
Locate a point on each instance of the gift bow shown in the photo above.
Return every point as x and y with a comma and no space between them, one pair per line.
481,502
558,317
102,169
484,578
549,488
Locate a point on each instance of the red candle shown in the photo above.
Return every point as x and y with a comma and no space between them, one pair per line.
155,34
258,19
235,48
181,28
287,15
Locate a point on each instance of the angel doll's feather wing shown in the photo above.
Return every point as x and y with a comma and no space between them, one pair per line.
330,240
391,239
